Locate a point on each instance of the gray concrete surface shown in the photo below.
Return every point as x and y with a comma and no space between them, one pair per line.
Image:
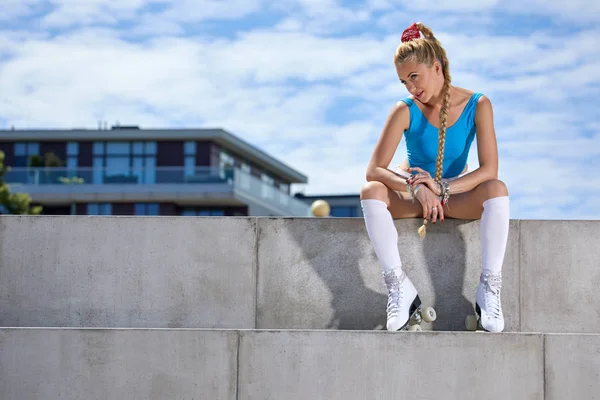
572,366
384,365
52,364
127,271
324,274
157,364
278,273
560,276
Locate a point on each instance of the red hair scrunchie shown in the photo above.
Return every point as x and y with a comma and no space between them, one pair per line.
410,33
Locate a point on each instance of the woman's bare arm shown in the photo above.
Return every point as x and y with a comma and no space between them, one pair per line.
377,170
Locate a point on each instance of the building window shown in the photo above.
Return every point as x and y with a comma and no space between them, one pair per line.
72,156
146,209
203,212
99,209
124,162
343,211
267,187
226,164
189,161
24,150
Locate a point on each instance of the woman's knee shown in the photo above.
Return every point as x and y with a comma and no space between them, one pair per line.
494,188
374,190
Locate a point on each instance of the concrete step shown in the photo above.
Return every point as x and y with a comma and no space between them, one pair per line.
281,273
65,364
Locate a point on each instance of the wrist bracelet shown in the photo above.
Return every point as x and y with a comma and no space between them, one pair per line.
445,192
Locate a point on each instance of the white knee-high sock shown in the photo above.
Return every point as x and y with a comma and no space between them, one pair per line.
382,232
494,233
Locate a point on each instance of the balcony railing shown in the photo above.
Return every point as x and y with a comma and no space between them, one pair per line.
103,176
242,181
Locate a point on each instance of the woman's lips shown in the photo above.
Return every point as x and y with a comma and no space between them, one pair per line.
418,96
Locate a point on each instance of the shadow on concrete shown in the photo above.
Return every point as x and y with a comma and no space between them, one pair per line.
444,252
338,251
336,261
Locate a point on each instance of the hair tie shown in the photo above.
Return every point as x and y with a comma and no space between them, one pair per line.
410,33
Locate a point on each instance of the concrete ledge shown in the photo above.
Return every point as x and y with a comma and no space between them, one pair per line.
281,273
572,366
559,276
117,364
69,364
154,272
351,365
319,273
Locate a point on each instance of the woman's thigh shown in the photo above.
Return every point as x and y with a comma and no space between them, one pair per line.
399,203
469,205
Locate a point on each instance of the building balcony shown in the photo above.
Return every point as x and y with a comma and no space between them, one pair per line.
185,186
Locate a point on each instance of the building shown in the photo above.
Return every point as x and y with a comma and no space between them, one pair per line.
126,170
343,205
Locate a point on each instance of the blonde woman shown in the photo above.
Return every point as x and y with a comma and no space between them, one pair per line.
439,122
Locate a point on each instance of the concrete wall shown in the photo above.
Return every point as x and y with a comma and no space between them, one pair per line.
127,271
226,364
280,273
48,364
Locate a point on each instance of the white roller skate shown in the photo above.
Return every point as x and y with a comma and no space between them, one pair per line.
404,303
488,305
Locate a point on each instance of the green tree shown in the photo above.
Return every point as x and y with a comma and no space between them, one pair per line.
14,203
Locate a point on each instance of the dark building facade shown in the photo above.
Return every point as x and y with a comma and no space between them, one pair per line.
133,171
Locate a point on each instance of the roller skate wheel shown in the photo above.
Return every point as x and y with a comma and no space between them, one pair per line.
415,328
428,314
471,322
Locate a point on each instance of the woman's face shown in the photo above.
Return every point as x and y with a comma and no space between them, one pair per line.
421,81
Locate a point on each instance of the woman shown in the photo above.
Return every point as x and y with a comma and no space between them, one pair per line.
440,122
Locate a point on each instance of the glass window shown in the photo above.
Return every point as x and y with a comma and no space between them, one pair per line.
147,209
98,148
24,150
190,148
99,209
72,148
117,165
33,148
150,148
150,170
343,211
117,148
20,149
204,212
98,170
138,148
190,165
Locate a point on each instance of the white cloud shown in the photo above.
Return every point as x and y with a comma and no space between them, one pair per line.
76,12
13,9
275,87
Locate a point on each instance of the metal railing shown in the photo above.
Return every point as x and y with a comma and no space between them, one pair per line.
241,180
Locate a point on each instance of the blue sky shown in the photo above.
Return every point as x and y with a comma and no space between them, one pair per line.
312,81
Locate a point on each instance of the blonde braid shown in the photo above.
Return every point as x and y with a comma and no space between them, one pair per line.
442,131
440,54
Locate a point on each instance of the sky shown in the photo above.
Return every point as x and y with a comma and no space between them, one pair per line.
311,82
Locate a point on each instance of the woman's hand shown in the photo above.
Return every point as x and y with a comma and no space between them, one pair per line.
423,177
432,207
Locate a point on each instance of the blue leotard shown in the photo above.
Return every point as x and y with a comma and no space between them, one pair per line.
422,140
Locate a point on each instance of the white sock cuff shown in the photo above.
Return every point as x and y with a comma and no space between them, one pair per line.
373,206
502,201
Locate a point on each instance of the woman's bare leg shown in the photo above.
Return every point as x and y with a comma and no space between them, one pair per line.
378,202
469,205
490,202
398,203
